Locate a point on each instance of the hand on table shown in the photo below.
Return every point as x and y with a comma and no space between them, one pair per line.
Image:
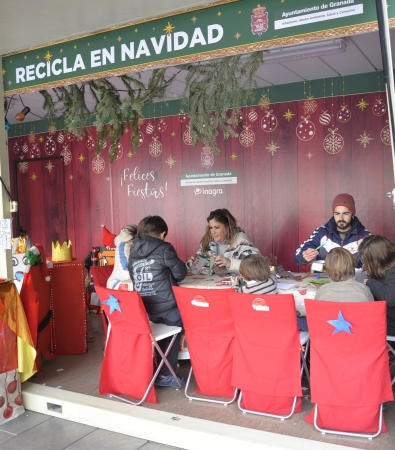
190,260
310,254
221,261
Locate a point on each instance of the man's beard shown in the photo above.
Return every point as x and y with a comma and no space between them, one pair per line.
342,225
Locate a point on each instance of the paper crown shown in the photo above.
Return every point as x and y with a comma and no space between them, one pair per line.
62,252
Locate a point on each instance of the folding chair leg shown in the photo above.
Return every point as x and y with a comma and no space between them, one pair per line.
164,360
304,368
266,414
390,349
347,433
202,399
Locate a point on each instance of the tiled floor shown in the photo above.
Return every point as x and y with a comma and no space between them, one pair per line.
34,431
80,373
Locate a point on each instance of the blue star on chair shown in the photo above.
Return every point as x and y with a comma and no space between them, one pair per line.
113,303
340,324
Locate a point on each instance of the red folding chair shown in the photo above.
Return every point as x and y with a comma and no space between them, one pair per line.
209,333
100,276
267,354
128,357
350,378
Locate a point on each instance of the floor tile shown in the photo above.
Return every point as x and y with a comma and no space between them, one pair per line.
107,440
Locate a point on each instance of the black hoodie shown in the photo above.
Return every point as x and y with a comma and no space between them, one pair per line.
154,268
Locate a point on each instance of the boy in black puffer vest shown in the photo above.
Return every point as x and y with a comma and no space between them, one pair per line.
155,268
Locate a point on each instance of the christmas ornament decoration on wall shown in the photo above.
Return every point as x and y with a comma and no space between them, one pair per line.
71,136
385,134
364,139
333,142
162,126
239,116
288,115
149,129
272,147
141,137
170,161
102,144
22,167
49,146
66,153
182,117
247,136
269,121
310,105
49,166
32,137
252,115
52,128
60,137
325,118
305,129
25,147
98,164
119,151
379,108
344,114
16,148
362,104
35,151
187,137
207,157
155,147
90,143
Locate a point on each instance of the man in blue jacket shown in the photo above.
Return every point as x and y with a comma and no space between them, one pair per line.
343,230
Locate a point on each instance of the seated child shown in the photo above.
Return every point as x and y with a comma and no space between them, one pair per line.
255,270
155,268
343,287
120,277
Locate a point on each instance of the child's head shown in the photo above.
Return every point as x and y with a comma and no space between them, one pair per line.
255,267
153,226
378,255
340,264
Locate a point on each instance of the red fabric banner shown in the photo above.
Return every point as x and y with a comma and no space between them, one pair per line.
128,358
349,363
209,333
266,364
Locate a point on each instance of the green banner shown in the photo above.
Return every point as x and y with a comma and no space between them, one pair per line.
220,30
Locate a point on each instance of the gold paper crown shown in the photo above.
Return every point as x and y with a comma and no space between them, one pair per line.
62,252
259,10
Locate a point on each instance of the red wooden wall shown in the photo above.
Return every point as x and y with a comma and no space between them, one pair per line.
280,197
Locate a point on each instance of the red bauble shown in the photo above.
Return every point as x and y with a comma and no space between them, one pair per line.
2,401
11,388
8,412
18,400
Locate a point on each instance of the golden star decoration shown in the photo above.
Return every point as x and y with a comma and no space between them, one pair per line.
11,61
173,133
3,72
41,139
237,35
81,158
233,156
364,139
61,50
38,57
34,177
362,104
170,161
194,19
119,39
219,13
9,82
309,155
71,177
48,56
88,44
169,28
75,47
49,166
130,154
25,57
136,30
288,115
272,147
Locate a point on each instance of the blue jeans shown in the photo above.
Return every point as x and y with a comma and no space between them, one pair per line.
302,324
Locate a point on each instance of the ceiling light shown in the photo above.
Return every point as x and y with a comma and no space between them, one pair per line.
303,51
20,117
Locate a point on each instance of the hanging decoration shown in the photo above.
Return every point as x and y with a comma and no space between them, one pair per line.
155,147
288,115
187,137
207,157
385,134
247,136
52,128
162,126
305,129
272,147
269,121
60,137
32,137
50,146
170,161
16,148
140,138
310,105
252,115
379,108
182,117
362,105
35,151
23,166
264,101
66,153
325,118
90,143
25,147
149,129
119,151
364,139
98,164
344,114
333,142
71,136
